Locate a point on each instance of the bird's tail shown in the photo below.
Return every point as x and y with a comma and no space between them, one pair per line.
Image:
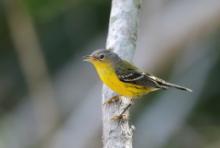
163,84
167,85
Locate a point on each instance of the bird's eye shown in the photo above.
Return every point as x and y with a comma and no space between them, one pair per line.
101,56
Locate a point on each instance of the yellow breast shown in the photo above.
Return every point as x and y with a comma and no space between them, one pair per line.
109,77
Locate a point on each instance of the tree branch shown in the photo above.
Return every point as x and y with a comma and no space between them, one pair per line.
122,36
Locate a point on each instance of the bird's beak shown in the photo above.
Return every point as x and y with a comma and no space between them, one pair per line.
87,58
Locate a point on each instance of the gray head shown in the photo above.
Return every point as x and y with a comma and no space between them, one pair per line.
103,56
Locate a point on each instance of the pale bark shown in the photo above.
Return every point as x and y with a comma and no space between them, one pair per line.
121,39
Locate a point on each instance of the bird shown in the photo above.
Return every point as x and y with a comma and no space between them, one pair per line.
124,78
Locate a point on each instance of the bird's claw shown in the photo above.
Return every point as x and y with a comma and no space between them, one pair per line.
111,100
120,117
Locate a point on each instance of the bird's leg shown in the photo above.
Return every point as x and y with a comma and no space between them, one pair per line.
122,115
111,100
126,108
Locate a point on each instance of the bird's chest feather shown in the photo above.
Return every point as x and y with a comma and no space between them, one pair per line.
109,77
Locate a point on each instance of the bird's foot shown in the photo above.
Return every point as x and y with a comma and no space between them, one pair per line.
111,100
123,115
120,117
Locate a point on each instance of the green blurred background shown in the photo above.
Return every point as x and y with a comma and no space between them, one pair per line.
49,98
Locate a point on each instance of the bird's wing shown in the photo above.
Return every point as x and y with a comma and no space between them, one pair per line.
130,74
